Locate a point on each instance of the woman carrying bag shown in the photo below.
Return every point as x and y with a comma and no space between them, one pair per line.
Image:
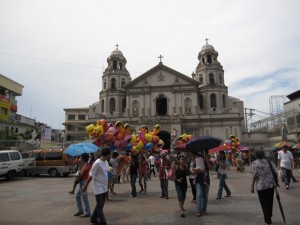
264,175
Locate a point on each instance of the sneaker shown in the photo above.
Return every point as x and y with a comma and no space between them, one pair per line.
287,187
78,214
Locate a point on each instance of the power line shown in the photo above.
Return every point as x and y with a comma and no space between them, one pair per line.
48,60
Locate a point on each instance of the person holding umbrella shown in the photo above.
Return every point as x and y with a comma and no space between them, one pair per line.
265,184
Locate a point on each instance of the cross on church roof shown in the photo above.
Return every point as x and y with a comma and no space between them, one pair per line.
206,39
117,46
160,57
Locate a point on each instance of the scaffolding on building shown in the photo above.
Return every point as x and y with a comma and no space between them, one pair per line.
267,122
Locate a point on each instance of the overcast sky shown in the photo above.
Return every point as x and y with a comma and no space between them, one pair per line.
57,49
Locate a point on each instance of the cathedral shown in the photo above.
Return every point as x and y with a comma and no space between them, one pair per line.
198,104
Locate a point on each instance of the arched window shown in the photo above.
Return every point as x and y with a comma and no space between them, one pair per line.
112,105
211,78
224,101
120,65
220,79
102,105
201,102
201,79
209,59
115,65
113,83
213,101
104,84
123,104
203,61
123,83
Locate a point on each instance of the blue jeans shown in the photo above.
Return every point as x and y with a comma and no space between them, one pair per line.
287,174
98,211
133,178
205,197
200,196
222,185
83,196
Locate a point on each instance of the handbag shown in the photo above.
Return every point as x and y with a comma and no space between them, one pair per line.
170,173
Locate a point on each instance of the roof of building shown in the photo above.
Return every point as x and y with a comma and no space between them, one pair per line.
294,95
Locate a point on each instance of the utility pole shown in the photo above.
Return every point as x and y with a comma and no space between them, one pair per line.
248,112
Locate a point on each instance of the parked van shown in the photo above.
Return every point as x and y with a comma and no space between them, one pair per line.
51,161
11,163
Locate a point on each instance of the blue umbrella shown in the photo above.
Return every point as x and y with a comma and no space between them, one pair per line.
78,149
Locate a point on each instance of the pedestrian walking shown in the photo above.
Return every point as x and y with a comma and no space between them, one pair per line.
133,172
99,173
83,173
265,184
222,176
285,163
164,162
181,171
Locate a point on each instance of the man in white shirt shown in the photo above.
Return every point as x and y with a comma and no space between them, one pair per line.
99,173
285,163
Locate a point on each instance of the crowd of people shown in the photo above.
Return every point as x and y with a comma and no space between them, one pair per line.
186,169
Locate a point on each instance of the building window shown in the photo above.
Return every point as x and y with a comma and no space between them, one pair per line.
209,59
123,105
4,111
201,102
213,101
112,105
104,84
102,105
201,79
211,78
81,117
220,79
224,101
71,117
123,83
115,64
113,83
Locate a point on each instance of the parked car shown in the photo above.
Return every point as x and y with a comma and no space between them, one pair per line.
12,164
51,161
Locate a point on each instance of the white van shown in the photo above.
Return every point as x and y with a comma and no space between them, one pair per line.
11,163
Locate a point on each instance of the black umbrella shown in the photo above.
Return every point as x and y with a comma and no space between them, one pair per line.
202,143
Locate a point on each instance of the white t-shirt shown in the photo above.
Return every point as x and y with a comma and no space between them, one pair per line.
152,160
99,172
200,163
285,159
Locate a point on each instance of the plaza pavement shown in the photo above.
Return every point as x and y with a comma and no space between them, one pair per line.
45,201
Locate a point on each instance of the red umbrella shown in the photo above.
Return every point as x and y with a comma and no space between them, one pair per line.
296,146
217,149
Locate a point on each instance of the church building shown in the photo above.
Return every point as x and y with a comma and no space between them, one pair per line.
198,104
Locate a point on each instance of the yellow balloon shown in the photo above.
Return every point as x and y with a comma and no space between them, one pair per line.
133,139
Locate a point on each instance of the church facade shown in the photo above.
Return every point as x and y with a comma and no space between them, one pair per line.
196,105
